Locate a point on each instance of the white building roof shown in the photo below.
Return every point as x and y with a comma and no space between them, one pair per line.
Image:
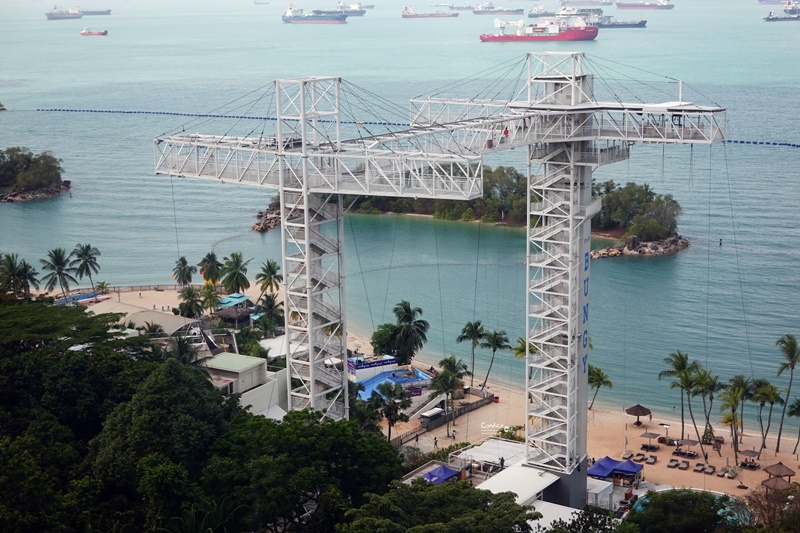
524,481
231,362
550,513
598,486
139,315
493,449
274,412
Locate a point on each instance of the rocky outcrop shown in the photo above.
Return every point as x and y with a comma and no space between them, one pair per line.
39,194
267,220
633,246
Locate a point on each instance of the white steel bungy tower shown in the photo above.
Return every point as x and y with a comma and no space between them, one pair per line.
567,133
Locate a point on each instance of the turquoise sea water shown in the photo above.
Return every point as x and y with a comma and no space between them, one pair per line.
725,305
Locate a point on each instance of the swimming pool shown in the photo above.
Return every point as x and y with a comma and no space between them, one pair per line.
400,375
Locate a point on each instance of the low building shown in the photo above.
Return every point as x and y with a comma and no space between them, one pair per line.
262,392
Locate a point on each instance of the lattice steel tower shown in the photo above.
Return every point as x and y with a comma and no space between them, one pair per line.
567,133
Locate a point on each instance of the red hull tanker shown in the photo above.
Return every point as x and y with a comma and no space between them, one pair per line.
574,29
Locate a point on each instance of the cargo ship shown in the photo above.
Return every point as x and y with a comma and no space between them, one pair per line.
87,32
409,13
556,29
465,7
772,17
58,14
489,9
539,12
661,4
587,2
791,8
608,21
96,12
295,15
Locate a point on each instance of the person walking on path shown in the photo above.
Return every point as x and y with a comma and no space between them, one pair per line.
435,443
416,440
454,435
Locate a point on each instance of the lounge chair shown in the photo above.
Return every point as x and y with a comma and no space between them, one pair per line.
722,473
651,460
710,469
639,457
684,465
673,463
699,467
627,455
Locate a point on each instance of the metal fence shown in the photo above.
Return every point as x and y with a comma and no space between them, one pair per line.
452,415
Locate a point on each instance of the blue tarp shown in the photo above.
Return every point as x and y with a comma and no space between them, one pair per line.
440,474
607,467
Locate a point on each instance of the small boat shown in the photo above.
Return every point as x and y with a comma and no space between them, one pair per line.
770,2
87,31
96,12
538,11
660,4
489,9
791,8
58,14
772,17
295,15
555,29
409,13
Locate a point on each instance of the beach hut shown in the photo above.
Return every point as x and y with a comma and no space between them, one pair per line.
623,473
440,474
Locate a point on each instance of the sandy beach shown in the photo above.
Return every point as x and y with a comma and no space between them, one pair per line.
608,428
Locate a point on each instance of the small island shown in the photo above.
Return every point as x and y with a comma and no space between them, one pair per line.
25,176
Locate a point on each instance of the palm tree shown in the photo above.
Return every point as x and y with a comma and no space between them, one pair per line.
746,384
678,362
730,400
522,346
27,277
183,271
791,355
209,296
473,332
191,306
86,262
269,277
272,313
389,400
458,367
57,264
210,268
364,414
180,349
234,273
597,379
410,333
707,385
794,410
686,382
496,340
101,287
766,393
445,382
153,330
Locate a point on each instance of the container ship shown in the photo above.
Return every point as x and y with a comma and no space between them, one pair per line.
295,15
661,4
96,12
557,29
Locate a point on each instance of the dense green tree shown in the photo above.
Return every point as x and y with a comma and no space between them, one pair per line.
17,276
363,413
473,332
590,520
495,340
678,363
183,271
234,273
411,332
457,367
791,356
637,208
272,316
384,340
85,262
390,399
21,170
446,508
210,268
60,271
680,510
794,412
209,297
597,380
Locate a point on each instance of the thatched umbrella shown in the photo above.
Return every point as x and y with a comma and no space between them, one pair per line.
637,411
776,483
749,453
779,470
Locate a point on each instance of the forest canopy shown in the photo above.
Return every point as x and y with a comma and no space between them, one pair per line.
21,170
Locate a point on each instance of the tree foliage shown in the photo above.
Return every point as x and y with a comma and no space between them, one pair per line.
680,510
22,170
445,508
645,214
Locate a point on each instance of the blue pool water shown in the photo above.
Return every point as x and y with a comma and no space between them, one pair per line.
372,383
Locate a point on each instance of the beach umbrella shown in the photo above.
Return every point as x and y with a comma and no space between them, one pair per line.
779,469
637,411
749,453
649,436
777,483
688,442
